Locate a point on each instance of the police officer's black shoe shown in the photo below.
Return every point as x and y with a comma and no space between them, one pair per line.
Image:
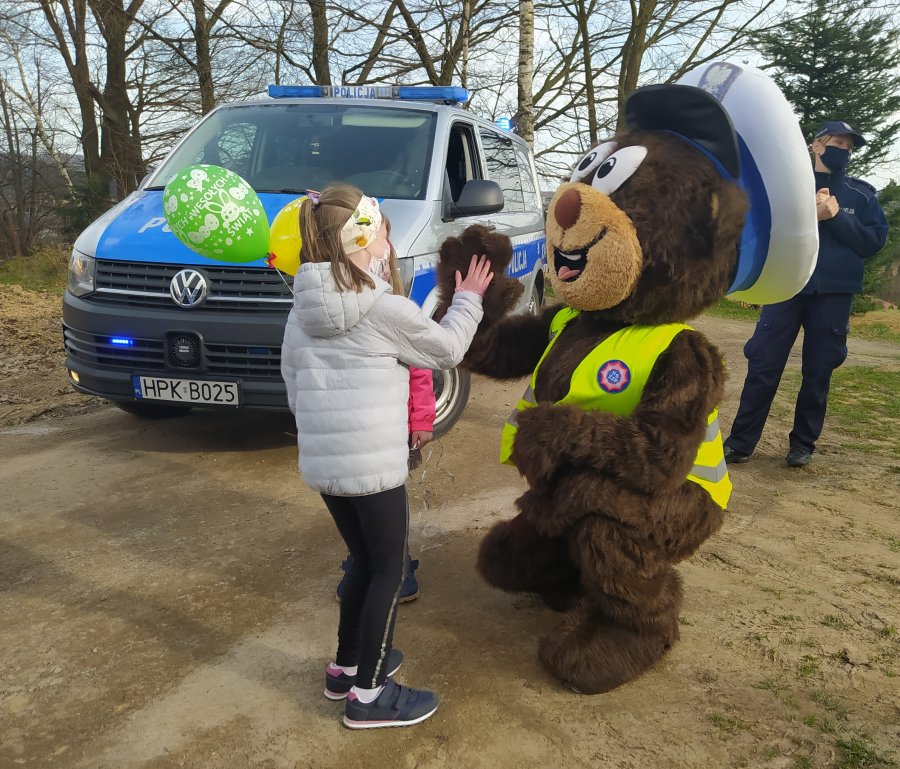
733,457
799,457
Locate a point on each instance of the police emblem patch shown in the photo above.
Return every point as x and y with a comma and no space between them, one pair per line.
613,376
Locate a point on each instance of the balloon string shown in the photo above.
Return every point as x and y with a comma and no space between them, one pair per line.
426,530
284,280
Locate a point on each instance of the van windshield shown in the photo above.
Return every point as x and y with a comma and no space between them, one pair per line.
295,147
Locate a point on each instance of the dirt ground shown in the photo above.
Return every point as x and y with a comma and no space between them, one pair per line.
167,598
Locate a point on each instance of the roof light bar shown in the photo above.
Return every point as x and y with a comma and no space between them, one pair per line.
446,94
434,93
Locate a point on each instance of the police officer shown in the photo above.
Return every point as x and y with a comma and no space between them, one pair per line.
852,227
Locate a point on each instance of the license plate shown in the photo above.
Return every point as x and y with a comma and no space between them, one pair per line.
159,388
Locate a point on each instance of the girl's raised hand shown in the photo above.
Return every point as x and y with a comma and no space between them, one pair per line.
478,278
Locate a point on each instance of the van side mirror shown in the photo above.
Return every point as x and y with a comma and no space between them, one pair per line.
478,196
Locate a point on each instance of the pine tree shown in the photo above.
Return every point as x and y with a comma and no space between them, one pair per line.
882,271
840,62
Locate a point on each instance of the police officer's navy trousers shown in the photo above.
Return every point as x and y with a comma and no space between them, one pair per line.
825,319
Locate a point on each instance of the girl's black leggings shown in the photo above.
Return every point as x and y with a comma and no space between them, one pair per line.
375,528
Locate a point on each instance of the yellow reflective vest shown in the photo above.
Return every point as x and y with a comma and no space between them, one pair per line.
612,378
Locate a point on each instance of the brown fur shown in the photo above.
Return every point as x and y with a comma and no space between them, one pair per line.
456,255
609,511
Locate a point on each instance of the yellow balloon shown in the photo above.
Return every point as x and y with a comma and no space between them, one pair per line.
284,238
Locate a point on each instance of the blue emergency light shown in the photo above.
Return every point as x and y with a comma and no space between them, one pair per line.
505,123
434,93
295,91
121,341
447,94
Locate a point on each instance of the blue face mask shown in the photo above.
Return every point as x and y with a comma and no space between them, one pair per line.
835,159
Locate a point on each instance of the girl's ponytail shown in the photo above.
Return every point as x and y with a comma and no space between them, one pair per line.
309,233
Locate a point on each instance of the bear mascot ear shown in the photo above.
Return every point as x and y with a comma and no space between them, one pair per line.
456,254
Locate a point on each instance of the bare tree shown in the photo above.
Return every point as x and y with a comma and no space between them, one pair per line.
34,182
430,42
321,46
525,113
112,151
120,146
32,103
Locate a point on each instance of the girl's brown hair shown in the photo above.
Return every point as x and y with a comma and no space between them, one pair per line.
397,286
320,233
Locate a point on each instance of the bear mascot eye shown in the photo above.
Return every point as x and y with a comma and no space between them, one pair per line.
588,164
618,169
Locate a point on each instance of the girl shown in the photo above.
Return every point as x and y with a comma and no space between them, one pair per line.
421,427
347,345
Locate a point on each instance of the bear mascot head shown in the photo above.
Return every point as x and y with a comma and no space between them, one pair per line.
617,433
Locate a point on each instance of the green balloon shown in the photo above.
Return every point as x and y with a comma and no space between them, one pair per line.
217,214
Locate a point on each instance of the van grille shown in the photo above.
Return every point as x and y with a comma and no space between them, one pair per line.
232,360
241,289
97,350
246,362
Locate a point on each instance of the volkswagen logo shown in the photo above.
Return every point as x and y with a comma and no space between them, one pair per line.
188,288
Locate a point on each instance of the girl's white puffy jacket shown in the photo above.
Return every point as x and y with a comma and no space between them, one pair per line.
344,361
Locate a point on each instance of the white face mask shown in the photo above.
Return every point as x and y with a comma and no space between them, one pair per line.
380,266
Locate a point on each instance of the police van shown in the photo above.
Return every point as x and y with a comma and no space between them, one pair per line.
159,329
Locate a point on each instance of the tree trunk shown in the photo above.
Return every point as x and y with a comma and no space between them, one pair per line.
588,61
120,153
320,42
203,62
12,214
632,55
77,64
525,114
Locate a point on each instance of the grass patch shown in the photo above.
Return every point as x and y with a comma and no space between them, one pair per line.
836,622
832,704
770,685
863,406
880,325
892,542
789,702
802,762
729,724
726,308
808,666
890,631
44,270
857,753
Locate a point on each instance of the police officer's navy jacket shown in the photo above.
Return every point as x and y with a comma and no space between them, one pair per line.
857,231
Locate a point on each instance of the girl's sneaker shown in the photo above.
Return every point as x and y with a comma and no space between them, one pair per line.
396,706
338,683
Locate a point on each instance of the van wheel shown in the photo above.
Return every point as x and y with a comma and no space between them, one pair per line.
451,394
534,302
152,410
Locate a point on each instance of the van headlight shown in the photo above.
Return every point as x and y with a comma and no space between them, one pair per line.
81,274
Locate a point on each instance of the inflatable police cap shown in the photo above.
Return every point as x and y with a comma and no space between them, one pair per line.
739,118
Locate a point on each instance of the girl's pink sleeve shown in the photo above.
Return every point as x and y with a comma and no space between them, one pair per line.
421,400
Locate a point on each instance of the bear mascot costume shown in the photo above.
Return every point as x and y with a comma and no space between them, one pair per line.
617,435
